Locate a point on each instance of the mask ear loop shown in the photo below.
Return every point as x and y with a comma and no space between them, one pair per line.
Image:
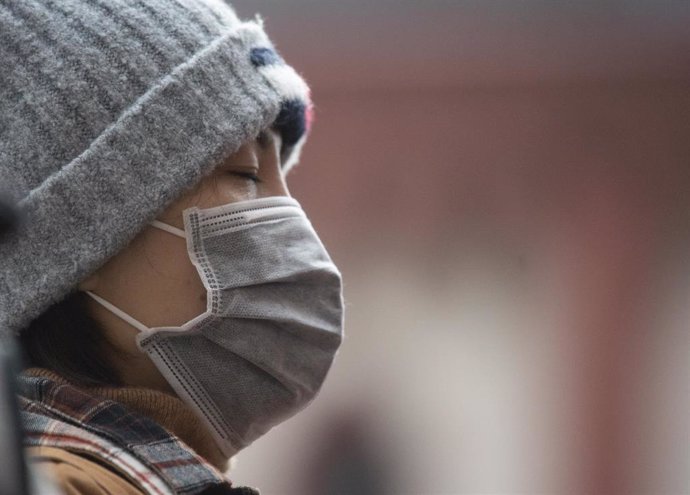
169,228
118,312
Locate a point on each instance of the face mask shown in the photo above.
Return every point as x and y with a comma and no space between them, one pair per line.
273,323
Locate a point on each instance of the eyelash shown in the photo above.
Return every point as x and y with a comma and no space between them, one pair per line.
247,175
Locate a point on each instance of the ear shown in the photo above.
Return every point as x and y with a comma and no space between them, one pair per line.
90,283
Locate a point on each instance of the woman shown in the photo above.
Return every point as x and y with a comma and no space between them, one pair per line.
172,300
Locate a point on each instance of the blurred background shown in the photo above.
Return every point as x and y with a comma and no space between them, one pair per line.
505,186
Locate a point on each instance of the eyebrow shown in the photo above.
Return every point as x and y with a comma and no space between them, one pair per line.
264,137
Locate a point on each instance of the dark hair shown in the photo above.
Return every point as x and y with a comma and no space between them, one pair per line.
67,340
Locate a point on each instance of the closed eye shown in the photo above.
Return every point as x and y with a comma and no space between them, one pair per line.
252,176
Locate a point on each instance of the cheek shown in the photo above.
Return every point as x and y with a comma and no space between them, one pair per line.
154,281
224,188
218,189
173,282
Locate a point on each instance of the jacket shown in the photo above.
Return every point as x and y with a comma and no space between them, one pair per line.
99,441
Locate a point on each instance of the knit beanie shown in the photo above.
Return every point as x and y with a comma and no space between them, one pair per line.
112,109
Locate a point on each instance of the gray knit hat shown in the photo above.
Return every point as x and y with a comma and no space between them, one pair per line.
109,111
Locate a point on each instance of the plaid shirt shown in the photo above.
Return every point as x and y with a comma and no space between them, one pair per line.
62,416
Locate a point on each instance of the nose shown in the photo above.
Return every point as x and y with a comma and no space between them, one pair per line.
273,182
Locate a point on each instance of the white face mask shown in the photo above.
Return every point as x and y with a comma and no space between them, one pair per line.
273,323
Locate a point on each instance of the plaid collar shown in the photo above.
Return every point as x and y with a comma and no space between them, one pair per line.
63,416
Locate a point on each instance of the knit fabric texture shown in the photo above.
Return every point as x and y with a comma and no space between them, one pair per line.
109,111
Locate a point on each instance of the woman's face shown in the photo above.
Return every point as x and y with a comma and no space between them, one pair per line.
153,279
